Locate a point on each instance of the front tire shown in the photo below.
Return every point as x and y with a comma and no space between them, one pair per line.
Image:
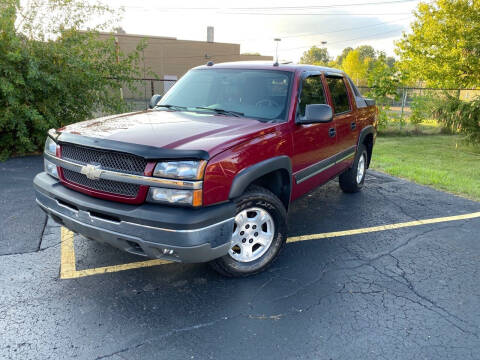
259,233
352,180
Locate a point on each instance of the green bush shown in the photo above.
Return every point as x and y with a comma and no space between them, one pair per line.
421,109
55,76
460,117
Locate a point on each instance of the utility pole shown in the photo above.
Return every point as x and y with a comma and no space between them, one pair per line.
117,52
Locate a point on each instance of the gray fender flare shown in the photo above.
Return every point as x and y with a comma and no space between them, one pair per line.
369,129
248,175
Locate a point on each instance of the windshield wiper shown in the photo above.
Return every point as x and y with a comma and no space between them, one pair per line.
173,107
221,111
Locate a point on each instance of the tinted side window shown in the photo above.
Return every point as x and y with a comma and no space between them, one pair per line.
339,94
312,93
354,88
360,101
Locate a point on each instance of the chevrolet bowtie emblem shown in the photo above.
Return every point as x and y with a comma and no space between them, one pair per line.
92,172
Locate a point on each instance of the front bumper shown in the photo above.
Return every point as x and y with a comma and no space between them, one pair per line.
155,231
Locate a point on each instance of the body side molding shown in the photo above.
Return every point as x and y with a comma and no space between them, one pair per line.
323,165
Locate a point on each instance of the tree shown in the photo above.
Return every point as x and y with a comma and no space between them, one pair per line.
343,55
366,52
443,49
383,82
52,73
355,67
390,61
315,56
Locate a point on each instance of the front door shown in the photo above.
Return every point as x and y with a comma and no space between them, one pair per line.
314,144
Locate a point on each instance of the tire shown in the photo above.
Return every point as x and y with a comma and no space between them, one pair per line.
352,180
257,209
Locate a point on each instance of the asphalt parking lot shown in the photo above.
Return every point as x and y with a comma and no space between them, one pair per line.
345,287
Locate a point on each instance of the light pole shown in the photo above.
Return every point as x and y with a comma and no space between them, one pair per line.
277,40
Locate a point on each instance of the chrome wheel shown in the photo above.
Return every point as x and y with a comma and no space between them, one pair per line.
252,234
360,168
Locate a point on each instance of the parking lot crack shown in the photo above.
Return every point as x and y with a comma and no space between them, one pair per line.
305,286
388,197
42,233
168,334
424,300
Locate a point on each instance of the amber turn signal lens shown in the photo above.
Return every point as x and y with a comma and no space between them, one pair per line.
197,198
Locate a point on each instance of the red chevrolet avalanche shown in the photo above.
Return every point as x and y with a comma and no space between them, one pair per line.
209,171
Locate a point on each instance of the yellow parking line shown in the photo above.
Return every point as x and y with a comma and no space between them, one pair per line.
115,268
67,264
68,267
383,227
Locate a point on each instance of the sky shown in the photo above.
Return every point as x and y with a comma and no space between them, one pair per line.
255,23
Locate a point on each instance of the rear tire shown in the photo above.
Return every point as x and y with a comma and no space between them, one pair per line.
352,180
259,234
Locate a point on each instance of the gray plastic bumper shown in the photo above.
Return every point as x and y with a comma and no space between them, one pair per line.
156,231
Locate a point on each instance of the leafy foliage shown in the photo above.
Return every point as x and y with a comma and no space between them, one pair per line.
343,55
443,49
52,73
356,67
421,109
460,116
367,52
383,82
315,56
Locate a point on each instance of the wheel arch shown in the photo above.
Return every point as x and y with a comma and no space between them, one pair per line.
367,138
274,174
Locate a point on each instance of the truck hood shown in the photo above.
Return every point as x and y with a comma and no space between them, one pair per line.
173,130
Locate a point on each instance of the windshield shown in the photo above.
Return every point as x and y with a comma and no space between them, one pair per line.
259,94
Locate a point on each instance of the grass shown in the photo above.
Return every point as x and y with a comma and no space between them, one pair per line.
441,161
427,127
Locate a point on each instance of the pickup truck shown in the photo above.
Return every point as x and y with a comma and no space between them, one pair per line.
208,173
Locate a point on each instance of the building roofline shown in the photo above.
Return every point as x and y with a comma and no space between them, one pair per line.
163,38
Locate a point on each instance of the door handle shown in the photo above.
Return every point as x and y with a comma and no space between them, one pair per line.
353,125
332,132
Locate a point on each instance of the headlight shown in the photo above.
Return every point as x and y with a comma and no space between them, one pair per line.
186,169
50,146
175,196
50,168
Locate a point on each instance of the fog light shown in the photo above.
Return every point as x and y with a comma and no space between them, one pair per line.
50,168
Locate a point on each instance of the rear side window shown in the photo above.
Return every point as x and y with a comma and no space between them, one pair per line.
312,93
358,96
339,94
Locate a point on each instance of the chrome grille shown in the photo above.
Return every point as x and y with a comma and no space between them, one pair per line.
108,160
113,187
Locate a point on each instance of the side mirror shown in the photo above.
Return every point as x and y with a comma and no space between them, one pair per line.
370,102
316,113
154,101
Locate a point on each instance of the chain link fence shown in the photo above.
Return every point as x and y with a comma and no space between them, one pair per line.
401,103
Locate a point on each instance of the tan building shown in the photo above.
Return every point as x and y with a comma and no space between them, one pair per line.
170,58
